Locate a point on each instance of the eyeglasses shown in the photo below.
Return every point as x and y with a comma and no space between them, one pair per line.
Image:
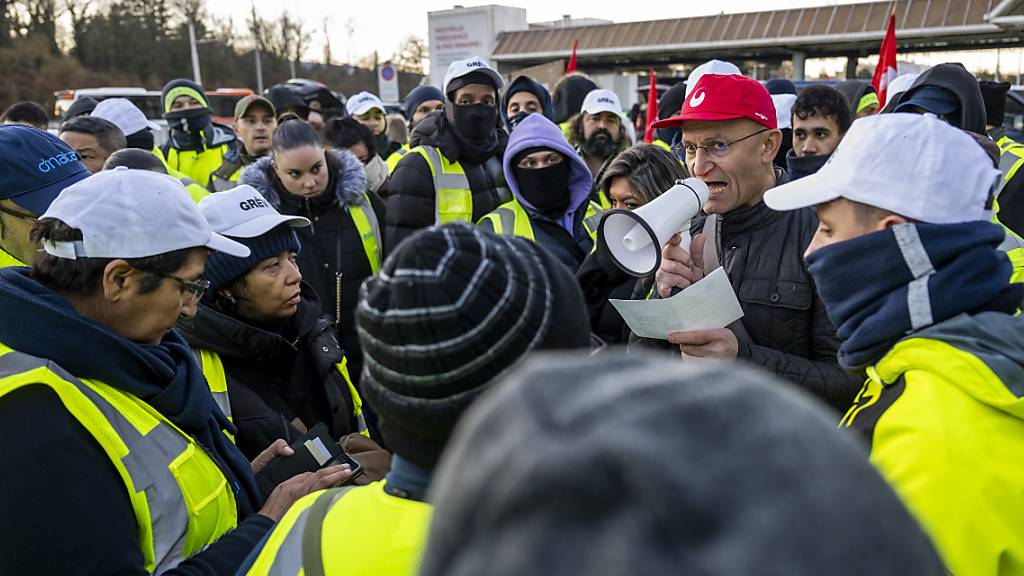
196,287
714,149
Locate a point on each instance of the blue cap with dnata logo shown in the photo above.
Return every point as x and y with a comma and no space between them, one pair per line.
35,166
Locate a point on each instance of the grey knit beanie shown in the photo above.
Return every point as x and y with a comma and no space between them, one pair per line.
452,309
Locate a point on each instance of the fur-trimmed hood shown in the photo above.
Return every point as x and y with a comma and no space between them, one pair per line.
349,174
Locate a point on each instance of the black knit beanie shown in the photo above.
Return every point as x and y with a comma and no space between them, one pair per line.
222,268
451,311
994,96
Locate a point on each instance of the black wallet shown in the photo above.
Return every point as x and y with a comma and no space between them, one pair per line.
313,451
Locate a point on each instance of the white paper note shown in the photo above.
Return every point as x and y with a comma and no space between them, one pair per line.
709,304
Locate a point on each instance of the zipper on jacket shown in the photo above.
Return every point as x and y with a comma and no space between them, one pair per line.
287,429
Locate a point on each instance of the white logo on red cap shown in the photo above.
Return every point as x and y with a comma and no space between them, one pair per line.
761,116
697,99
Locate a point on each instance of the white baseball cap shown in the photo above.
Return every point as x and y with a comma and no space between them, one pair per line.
600,100
461,68
362,102
242,212
784,109
916,166
719,67
126,213
123,114
899,85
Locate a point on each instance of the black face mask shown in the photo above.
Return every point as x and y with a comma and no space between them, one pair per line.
475,123
600,144
514,121
546,189
190,121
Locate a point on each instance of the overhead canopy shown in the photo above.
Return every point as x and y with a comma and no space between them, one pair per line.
838,30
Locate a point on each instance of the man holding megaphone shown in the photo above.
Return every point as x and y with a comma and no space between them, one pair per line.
730,139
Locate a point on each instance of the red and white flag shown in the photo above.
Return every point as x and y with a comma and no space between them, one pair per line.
885,72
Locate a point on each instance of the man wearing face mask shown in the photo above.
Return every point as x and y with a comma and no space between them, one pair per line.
525,96
551,185
196,145
455,173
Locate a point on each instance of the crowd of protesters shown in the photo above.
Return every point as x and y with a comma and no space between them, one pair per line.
330,340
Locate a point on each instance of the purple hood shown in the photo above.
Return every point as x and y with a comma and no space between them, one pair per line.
537,131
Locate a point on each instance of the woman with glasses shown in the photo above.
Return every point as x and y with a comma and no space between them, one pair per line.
116,458
260,335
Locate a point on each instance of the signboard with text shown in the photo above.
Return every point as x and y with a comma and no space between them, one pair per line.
454,37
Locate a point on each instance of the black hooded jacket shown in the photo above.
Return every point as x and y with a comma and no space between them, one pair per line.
956,79
569,94
277,374
527,84
854,90
412,199
332,244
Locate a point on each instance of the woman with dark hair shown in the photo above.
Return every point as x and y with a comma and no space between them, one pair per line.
265,346
343,245
635,177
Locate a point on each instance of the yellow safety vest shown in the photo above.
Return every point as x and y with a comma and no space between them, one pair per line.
948,435
395,156
368,227
216,379
511,219
196,191
662,144
351,530
196,165
454,198
181,500
7,260
1011,158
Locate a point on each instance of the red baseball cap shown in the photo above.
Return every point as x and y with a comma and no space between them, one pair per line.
725,97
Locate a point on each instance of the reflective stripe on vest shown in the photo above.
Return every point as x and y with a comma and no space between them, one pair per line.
1011,156
395,156
454,198
357,400
213,370
196,165
317,532
662,144
511,219
180,498
369,232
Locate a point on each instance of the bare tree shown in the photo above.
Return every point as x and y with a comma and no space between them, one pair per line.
77,11
410,55
42,19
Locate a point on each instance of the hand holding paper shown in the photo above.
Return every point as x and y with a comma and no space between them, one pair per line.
707,305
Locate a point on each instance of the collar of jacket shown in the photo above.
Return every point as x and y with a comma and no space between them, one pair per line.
407,480
800,166
348,172
753,217
229,335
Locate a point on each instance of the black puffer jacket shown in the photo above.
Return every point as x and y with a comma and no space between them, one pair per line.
411,196
602,280
791,334
277,374
332,244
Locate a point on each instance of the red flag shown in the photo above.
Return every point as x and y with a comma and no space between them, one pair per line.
571,66
885,72
652,109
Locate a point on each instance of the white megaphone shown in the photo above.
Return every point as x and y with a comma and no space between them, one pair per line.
635,237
